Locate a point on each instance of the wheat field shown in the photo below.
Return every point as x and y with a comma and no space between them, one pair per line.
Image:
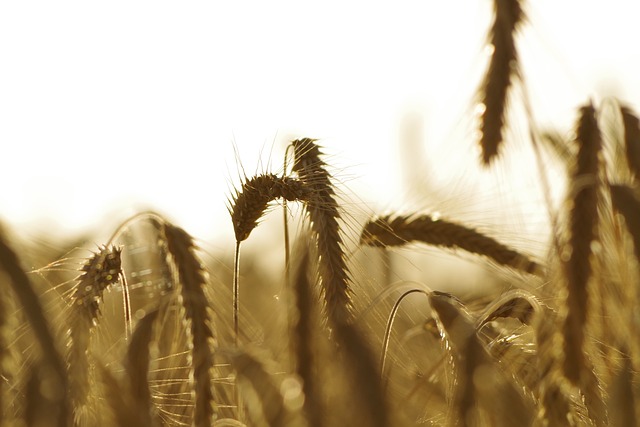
149,329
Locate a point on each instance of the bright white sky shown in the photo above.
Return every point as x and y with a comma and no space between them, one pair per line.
110,107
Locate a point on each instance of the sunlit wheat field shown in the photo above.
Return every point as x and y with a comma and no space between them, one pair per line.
490,280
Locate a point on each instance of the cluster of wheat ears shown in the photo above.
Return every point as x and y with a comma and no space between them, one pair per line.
142,335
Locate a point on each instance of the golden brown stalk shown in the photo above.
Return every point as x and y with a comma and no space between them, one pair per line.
322,208
137,368
480,384
504,63
399,230
582,232
304,344
631,140
97,274
51,357
191,276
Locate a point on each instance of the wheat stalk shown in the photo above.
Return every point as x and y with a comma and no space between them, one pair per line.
398,230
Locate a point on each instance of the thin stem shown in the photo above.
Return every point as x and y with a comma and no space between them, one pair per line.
236,292
387,332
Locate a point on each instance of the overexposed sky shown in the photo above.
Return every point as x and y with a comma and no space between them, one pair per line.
107,108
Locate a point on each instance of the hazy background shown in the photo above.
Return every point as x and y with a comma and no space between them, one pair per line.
109,108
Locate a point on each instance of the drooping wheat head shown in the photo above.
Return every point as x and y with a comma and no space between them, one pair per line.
399,230
324,215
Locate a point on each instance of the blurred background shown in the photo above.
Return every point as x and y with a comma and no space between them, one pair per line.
110,108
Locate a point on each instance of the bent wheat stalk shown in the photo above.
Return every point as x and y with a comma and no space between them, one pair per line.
399,230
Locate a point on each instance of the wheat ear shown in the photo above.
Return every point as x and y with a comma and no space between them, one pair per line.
399,230
97,274
250,202
24,290
191,276
582,232
247,206
322,208
494,90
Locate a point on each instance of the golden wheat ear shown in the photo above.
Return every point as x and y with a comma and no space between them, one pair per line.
583,221
191,276
98,273
508,15
56,374
399,230
323,211
246,207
